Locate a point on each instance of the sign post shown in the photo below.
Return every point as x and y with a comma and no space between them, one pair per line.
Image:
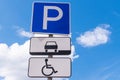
50,18
50,56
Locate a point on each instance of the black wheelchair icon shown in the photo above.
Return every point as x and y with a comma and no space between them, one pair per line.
48,67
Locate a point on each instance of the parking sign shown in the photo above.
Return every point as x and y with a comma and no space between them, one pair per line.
51,18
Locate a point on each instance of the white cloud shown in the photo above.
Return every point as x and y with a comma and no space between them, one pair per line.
73,53
24,33
14,61
100,35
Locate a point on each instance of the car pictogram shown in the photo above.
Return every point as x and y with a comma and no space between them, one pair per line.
51,45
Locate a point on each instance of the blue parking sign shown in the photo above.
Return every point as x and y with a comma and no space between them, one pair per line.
51,18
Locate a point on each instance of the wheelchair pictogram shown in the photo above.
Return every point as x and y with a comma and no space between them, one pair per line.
48,67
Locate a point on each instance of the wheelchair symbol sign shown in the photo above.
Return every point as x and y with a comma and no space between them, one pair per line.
48,66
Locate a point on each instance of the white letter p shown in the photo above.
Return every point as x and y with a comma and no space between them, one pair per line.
46,18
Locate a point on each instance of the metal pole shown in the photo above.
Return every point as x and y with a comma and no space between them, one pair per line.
50,35
49,78
50,56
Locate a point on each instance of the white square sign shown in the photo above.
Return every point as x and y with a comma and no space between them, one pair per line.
49,67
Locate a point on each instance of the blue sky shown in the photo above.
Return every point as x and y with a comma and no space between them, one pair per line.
95,31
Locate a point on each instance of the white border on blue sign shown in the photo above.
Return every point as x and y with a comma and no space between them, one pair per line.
51,33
